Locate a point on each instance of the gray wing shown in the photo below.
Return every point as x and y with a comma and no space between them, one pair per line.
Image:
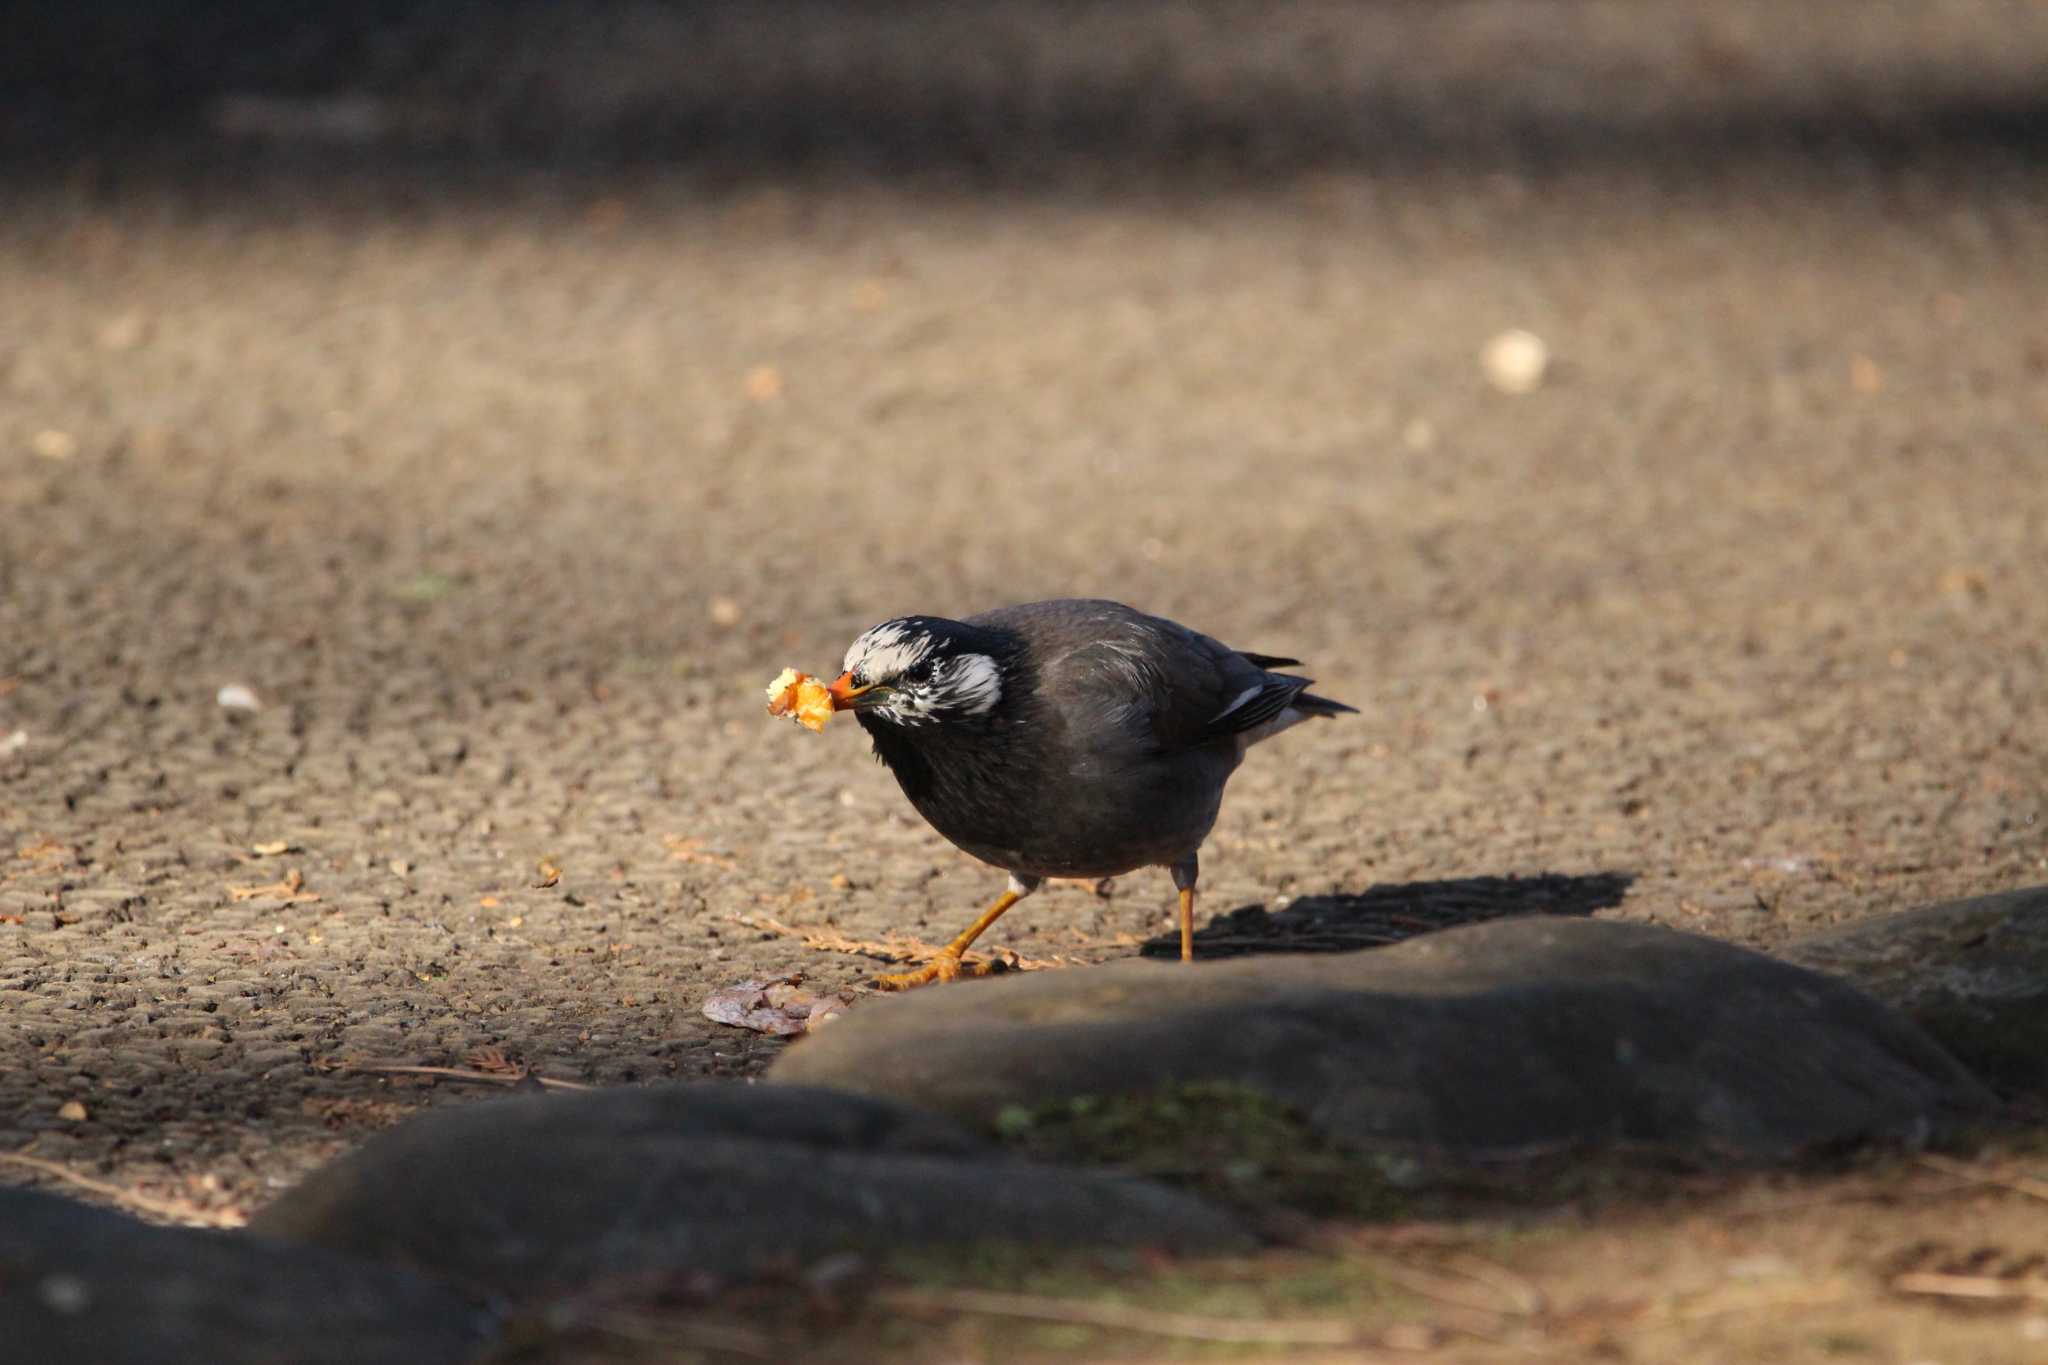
1145,677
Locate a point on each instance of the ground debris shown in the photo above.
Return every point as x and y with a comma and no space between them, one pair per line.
290,888
899,948
690,849
781,1007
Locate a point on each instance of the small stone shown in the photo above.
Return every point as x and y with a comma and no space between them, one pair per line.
52,444
71,1111
236,697
14,742
1515,361
724,612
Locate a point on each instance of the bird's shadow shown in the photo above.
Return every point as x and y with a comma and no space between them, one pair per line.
1382,915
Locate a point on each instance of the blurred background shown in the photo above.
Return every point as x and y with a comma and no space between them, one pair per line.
1638,409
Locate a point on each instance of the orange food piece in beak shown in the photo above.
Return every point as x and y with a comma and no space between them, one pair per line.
801,697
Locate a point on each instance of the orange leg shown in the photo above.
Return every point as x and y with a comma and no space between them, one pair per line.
947,966
1185,873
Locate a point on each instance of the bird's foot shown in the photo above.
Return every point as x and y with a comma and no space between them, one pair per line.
944,967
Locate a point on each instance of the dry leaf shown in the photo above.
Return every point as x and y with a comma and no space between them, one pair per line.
493,1059
270,850
781,1008
549,874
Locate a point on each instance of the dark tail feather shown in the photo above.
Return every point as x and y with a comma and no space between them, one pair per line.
1321,706
1271,660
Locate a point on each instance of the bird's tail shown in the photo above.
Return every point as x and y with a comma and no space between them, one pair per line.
1313,705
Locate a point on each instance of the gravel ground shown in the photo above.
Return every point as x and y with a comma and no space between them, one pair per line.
504,457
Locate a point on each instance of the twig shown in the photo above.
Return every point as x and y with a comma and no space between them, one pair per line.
892,950
176,1210
1186,1326
1969,1286
2019,1184
456,1073
1526,1296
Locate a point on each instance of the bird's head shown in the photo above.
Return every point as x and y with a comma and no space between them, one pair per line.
920,670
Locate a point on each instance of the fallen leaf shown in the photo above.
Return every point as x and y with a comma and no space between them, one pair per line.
549,874
71,1111
399,867
271,849
493,1059
781,1008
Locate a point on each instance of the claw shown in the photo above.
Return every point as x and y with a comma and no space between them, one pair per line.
944,967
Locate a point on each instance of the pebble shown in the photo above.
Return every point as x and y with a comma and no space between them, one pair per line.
235,697
1515,361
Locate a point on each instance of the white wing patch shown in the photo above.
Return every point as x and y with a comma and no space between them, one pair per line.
1240,700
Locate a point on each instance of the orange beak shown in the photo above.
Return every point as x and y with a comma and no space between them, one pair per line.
845,696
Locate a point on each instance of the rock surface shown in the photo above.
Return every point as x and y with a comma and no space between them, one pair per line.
1501,1036
521,1194
79,1283
1972,973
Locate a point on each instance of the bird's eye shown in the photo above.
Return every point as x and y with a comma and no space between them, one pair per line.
919,672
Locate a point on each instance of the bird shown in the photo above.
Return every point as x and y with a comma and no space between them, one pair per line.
1066,738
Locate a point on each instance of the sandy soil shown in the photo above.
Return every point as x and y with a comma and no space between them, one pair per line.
504,474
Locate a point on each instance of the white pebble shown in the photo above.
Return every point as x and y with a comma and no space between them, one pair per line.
14,743
1515,361
235,697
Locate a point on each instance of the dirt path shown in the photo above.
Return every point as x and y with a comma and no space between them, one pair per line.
503,494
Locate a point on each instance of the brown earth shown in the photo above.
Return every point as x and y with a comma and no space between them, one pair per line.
505,472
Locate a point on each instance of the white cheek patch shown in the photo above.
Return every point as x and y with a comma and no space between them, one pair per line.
970,685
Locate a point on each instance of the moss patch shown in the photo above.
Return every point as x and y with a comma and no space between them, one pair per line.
1228,1142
